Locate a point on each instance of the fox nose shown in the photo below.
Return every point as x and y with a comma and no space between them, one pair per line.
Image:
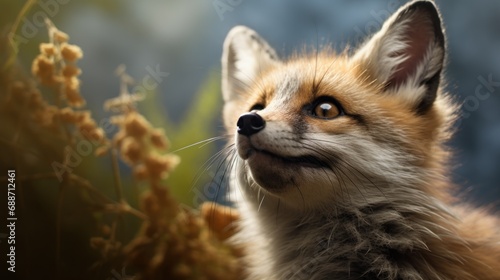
250,123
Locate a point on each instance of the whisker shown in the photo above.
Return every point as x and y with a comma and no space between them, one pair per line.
261,201
340,179
301,194
324,74
219,166
331,156
278,210
354,184
314,86
330,237
209,163
258,194
351,166
232,164
363,175
203,142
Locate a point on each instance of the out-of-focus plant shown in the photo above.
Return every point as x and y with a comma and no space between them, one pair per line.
47,137
196,126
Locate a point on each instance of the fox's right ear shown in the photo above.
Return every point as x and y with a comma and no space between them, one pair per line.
244,56
407,54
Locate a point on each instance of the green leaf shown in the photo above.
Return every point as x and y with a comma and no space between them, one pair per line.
196,126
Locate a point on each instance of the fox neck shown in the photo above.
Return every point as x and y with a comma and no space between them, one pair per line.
352,235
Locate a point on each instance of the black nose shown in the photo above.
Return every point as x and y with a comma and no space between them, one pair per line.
250,123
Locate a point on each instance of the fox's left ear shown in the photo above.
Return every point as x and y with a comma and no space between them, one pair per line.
407,54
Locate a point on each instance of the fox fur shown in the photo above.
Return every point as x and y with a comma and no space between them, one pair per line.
363,191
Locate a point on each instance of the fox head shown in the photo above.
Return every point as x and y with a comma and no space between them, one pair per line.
324,128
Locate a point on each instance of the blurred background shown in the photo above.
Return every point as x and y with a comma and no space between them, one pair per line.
181,42
176,45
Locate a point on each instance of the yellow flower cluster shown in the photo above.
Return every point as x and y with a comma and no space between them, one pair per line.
179,246
40,111
86,126
55,66
137,140
174,242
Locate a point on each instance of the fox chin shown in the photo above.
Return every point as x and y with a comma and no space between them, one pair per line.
340,166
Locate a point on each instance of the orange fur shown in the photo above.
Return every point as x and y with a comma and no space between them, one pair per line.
377,187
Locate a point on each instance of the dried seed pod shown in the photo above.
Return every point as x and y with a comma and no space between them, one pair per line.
70,71
136,125
44,69
61,37
47,49
131,150
71,53
158,139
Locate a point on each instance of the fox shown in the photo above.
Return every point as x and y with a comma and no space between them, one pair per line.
338,161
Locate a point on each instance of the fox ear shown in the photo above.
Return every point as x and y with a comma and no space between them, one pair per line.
407,54
244,56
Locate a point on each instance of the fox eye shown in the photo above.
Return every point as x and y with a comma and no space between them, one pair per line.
257,107
325,108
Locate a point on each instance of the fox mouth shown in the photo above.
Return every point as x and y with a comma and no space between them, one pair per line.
302,161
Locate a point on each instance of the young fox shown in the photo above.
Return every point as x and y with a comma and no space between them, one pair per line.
340,169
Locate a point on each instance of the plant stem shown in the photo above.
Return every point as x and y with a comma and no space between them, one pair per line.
116,175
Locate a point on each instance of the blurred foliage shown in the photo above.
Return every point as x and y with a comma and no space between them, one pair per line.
196,125
12,24
87,223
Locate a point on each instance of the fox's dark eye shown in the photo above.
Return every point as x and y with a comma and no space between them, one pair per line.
257,107
326,108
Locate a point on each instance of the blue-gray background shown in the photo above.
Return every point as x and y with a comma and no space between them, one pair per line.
184,38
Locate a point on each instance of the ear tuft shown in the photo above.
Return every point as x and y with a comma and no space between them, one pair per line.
408,53
245,55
